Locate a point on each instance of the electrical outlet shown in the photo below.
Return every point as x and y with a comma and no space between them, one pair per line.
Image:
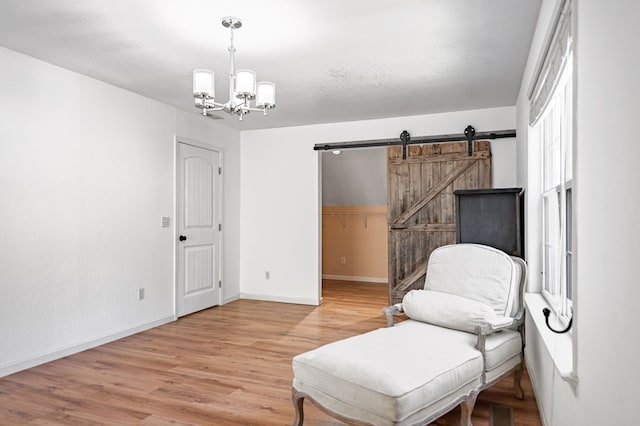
141,293
343,260
267,275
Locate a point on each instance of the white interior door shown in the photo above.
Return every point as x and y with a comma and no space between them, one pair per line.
197,226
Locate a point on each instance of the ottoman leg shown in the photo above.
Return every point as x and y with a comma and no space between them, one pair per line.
298,401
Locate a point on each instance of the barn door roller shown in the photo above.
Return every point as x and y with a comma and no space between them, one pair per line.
405,139
470,132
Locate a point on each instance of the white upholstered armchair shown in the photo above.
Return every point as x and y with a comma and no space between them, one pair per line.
462,336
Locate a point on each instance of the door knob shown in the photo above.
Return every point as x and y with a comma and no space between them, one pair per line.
182,238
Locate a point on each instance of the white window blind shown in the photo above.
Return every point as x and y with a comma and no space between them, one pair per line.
548,72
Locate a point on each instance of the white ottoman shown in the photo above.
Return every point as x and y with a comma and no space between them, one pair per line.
390,376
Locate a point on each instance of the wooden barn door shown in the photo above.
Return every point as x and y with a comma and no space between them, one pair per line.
421,204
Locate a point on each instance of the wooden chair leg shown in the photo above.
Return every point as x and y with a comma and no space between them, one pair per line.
298,401
466,408
517,382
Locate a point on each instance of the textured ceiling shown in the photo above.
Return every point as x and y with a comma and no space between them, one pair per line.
331,60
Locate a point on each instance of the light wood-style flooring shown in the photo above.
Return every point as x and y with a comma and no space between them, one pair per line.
229,365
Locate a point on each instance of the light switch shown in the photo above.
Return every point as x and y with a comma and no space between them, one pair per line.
166,221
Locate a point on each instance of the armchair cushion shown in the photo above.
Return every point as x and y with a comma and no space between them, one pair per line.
447,310
476,272
501,347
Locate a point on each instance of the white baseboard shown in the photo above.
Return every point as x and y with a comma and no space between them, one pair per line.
231,299
282,299
352,278
536,389
15,366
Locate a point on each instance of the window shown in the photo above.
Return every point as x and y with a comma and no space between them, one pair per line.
551,195
555,132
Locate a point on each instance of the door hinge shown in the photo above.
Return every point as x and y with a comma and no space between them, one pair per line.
219,227
219,284
219,170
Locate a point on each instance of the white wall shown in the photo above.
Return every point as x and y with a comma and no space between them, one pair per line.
86,172
279,210
204,130
85,175
606,206
281,191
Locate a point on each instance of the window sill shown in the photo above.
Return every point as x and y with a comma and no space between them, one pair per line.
559,346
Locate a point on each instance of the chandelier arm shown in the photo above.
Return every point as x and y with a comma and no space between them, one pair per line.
210,105
254,109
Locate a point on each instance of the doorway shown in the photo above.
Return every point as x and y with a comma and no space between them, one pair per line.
198,227
354,216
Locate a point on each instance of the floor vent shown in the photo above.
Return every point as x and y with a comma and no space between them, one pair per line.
501,415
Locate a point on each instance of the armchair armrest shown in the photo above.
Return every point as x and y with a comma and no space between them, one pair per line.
390,311
489,327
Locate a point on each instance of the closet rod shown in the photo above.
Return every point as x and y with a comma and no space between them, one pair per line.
496,134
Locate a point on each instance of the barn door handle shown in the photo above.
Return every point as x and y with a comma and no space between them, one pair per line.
182,238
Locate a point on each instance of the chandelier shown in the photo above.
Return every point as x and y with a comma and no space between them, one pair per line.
242,86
